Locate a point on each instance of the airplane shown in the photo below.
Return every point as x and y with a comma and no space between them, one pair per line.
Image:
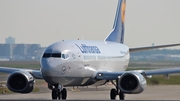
84,62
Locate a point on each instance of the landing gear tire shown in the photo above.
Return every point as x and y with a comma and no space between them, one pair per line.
58,92
113,94
121,95
64,94
54,93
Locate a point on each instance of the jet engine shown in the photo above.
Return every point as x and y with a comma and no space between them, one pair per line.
20,82
132,83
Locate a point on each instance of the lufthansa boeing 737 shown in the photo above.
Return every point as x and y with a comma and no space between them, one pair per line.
83,63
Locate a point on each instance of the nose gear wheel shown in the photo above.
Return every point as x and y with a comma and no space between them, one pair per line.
58,93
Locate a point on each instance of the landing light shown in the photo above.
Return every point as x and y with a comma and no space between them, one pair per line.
100,74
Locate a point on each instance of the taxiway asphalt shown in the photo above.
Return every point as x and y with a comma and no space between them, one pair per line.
163,92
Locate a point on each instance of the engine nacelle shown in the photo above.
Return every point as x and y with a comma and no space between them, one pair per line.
20,82
132,83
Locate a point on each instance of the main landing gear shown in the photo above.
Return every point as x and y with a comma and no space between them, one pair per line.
115,92
58,92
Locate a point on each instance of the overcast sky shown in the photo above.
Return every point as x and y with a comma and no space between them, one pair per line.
48,21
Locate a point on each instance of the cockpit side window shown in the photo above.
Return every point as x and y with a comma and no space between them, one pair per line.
65,56
46,55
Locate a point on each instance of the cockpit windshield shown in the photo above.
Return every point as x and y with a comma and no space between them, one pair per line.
56,55
46,55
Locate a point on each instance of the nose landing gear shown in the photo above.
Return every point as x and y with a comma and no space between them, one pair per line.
58,92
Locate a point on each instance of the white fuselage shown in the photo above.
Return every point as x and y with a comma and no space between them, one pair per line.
76,63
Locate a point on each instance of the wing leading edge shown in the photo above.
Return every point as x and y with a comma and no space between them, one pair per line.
152,47
116,75
35,73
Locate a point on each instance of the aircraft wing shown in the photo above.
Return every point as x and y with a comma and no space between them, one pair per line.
151,47
35,73
116,75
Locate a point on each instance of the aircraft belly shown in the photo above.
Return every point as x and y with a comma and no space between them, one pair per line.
71,81
69,74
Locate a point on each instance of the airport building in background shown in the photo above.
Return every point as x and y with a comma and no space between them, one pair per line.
10,40
12,51
20,51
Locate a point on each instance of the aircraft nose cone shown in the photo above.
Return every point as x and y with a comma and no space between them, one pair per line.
49,70
45,63
47,66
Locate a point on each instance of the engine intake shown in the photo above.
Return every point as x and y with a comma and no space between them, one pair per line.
20,82
132,83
